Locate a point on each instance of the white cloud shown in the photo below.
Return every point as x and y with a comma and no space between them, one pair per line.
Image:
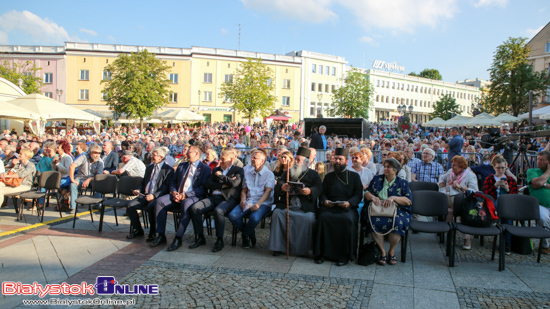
400,15
485,3
224,31
3,38
42,30
368,40
111,38
532,32
315,11
89,32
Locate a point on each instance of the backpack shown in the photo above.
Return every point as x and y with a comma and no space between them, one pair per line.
477,210
369,253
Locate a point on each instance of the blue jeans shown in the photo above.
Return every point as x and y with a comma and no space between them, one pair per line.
236,215
74,192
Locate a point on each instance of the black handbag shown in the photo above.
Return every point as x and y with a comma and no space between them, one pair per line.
369,253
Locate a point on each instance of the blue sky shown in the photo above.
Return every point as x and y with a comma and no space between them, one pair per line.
457,37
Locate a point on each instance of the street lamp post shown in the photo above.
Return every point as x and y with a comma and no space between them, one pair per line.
59,93
199,110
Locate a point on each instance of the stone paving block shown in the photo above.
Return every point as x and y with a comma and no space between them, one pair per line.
306,266
427,299
432,276
185,257
254,259
391,296
468,279
539,284
400,274
352,271
543,271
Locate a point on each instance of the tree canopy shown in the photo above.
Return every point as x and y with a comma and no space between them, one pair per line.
26,70
138,85
445,107
512,77
428,73
250,90
354,99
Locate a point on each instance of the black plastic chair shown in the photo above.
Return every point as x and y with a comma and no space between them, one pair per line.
50,181
102,184
423,186
522,208
429,203
245,218
126,186
493,230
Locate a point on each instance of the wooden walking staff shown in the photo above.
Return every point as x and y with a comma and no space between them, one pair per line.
287,213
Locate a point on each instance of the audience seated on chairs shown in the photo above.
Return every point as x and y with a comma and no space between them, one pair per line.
155,184
225,183
457,180
132,165
62,163
110,158
302,208
23,168
498,184
336,235
89,164
427,170
539,186
385,190
256,198
187,187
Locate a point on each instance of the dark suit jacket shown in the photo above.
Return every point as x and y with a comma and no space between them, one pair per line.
316,141
233,182
165,176
199,179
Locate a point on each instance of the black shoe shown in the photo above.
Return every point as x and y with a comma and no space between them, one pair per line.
175,244
218,246
319,260
253,240
150,238
341,263
135,234
507,250
246,242
161,239
277,253
200,241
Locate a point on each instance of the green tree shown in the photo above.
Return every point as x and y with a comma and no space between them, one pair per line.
512,77
481,104
250,90
354,98
138,85
428,73
27,71
445,107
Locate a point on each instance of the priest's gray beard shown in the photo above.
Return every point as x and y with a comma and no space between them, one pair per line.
297,169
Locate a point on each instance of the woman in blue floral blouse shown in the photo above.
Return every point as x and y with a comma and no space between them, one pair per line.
386,189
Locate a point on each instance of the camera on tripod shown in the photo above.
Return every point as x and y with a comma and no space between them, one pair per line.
492,137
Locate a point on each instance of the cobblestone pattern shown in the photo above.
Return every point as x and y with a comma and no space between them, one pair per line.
191,286
495,298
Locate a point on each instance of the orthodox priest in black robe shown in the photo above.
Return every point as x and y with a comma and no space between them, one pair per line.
337,220
302,206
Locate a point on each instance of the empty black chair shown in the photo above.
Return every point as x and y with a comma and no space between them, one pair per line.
493,230
423,186
126,186
429,203
50,181
102,184
521,208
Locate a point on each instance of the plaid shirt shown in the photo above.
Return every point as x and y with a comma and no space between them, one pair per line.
412,162
490,189
429,172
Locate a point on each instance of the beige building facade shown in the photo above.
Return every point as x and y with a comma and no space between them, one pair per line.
539,56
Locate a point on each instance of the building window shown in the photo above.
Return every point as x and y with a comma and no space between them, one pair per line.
49,94
312,111
313,69
227,99
321,69
84,75
326,88
207,96
286,83
173,97
229,78
320,88
48,78
104,96
84,95
286,70
286,101
106,75
207,117
377,83
548,47
312,86
173,78
333,88
333,71
207,78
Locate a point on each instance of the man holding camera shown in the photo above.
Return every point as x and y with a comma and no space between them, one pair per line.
506,148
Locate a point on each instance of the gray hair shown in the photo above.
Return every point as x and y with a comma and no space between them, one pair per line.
93,146
393,163
161,151
322,127
430,150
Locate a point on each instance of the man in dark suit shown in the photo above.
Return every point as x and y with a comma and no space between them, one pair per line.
225,182
155,183
186,188
318,140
